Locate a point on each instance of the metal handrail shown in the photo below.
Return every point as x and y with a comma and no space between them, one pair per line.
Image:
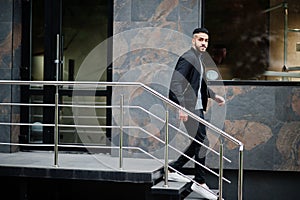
87,106
160,96
156,94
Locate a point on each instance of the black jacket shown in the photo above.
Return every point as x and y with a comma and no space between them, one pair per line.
185,82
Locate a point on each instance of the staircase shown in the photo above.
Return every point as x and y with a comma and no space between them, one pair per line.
175,191
155,184
194,195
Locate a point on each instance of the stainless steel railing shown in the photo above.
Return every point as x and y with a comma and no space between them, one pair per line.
122,126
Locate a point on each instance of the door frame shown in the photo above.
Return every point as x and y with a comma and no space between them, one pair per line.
53,26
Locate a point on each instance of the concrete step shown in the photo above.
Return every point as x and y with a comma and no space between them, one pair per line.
177,190
173,188
195,196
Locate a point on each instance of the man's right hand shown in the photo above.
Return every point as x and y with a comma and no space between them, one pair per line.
183,116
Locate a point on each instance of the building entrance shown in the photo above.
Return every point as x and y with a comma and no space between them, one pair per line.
59,37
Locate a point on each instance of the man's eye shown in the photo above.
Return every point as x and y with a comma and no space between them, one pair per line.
202,39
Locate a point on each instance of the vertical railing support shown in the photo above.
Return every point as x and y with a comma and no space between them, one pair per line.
240,181
221,170
57,62
166,148
56,129
285,39
285,36
121,132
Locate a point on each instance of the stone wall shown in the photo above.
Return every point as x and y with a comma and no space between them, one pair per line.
148,38
10,62
266,120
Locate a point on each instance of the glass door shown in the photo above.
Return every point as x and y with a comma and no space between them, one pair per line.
66,42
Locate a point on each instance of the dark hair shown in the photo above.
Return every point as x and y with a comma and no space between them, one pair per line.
200,30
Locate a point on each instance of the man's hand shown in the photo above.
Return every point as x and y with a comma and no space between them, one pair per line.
220,100
183,116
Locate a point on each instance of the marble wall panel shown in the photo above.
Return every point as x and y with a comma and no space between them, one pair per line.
5,45
264,118
148,37
6,10
10,63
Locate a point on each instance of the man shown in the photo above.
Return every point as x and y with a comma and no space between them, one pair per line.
189,89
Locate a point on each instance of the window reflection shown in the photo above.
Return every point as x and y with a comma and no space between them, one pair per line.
248,38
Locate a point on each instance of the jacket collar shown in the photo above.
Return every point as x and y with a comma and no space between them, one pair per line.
197,53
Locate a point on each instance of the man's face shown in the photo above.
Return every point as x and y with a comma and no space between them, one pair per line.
200,41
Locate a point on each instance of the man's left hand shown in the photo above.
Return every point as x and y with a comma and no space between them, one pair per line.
220,100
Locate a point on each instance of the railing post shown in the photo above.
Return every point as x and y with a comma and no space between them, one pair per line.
57,62
285,37
121,132
56,129
166,148
221,170
240,181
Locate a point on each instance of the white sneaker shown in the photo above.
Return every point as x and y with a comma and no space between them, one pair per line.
173,176
204,191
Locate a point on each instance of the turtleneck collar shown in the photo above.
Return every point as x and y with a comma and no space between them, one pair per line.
198,53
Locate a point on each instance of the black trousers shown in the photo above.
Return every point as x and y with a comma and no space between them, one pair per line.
198,131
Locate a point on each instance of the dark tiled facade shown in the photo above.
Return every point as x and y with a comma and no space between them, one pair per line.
10,64
265,118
